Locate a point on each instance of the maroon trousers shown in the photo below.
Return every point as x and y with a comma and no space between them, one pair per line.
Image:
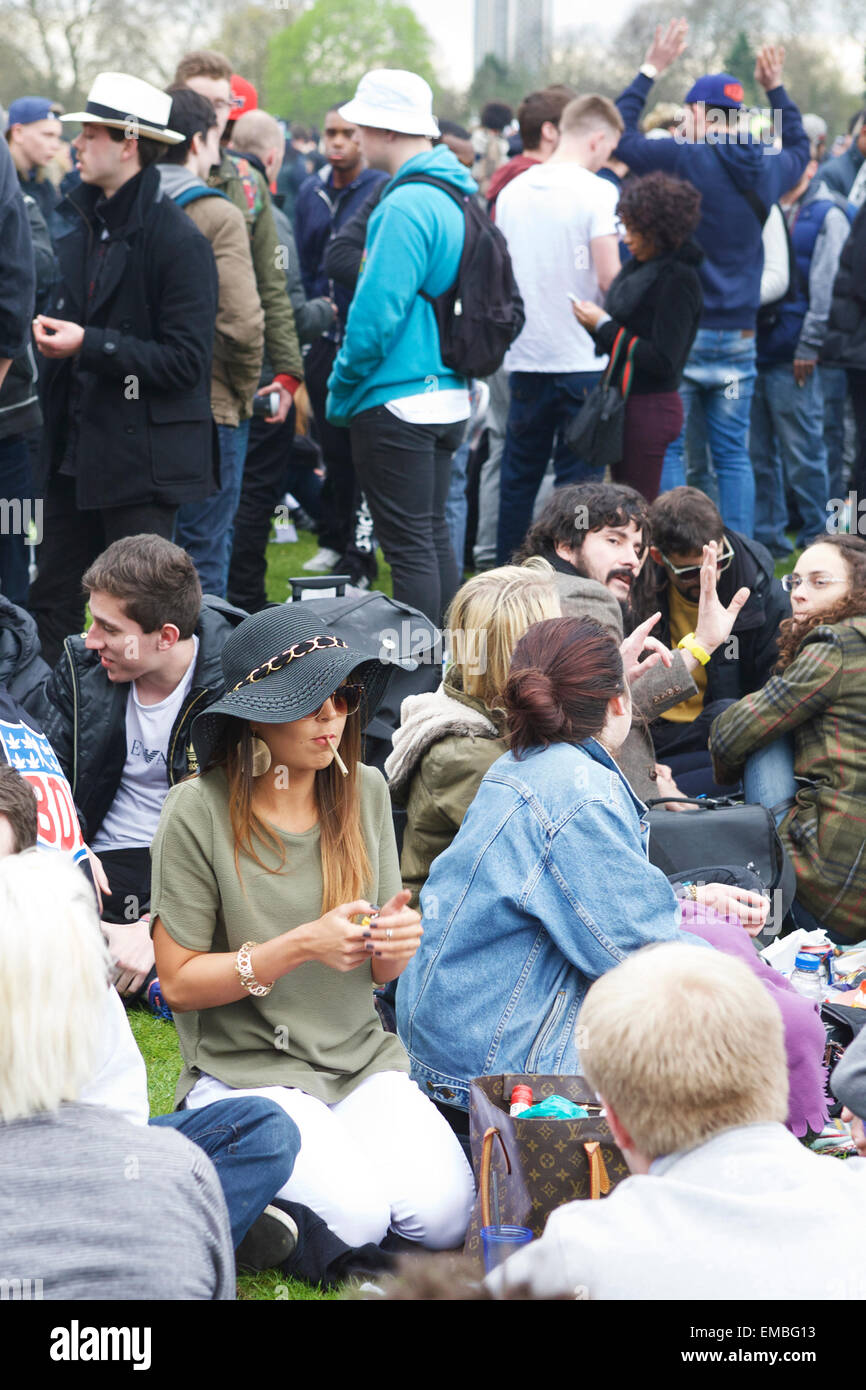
652,422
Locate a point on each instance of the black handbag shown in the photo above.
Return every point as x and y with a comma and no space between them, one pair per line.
596,432
721,831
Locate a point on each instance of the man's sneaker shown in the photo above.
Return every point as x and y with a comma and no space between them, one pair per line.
270,1240
324,560
156,1001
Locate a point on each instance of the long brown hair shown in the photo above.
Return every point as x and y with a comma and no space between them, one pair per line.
792,634
346,868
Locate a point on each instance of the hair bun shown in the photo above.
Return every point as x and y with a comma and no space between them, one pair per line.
534,712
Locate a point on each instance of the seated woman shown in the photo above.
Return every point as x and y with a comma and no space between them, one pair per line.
656,298
546,884
69,1213
801,737
264,868
448,739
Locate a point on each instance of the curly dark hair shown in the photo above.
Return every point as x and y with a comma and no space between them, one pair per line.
663,209
571,512
792,634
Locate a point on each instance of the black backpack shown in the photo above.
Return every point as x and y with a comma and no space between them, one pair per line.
481,315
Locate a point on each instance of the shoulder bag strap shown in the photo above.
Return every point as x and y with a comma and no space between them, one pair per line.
614,357
628,370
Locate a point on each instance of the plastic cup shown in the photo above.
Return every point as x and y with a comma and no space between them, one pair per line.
501,1241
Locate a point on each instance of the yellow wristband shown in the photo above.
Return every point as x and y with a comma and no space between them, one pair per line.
691,645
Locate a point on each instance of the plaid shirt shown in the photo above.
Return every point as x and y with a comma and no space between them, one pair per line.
821,700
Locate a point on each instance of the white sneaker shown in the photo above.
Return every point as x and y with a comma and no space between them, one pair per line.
324,559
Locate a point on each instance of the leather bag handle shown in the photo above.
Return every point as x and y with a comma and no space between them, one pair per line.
484,1171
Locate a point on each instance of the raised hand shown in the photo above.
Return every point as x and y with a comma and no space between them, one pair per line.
667,44
768,66
630,650
715,622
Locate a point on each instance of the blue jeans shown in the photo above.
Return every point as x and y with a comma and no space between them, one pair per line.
787,447
253,1145
720,375
205,529
768,776
834,386
543,404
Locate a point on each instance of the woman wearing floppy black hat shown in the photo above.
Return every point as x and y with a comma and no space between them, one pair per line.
264,867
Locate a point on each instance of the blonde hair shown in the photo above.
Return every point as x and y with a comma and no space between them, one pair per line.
585,114
488,616
683,1043
53,982
257,132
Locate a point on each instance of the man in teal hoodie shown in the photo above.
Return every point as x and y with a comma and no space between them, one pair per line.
406,410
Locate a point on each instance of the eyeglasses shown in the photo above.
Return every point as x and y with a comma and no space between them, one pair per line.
346,700
790,582
227,103
681,571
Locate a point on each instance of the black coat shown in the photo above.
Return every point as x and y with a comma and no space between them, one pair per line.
140,387
736,668
659,302
17,278
84,714
845,339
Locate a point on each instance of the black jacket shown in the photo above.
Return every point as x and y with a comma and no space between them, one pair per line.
737,667
19,394
845,339
17,280
660,303
140,387
22,669
84,714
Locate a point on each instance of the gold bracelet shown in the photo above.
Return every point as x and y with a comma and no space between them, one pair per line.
244,969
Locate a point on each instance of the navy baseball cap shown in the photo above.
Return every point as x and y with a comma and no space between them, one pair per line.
26,110
717,89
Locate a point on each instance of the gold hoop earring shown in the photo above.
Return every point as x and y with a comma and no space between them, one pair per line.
261,756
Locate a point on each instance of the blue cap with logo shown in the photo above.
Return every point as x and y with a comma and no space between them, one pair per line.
26,110
717,89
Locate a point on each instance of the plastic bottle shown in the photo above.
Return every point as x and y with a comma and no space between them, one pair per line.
521,1099
806,978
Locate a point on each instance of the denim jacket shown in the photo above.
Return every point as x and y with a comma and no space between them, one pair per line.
545,887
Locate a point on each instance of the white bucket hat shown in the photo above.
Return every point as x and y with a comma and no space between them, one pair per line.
129,104
392,99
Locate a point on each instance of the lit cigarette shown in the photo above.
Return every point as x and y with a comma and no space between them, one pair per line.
339,761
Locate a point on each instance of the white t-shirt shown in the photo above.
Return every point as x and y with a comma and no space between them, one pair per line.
549,216
134,813
432,407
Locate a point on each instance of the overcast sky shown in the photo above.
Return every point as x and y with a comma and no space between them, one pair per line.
450,24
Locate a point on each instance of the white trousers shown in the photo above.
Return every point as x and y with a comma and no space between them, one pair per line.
383,1157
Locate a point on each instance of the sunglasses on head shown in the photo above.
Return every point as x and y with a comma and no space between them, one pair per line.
346,700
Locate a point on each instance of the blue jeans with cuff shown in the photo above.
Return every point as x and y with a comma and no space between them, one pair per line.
253,1145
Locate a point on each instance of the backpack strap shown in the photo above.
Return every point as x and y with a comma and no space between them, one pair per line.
751,197
461,199
192,195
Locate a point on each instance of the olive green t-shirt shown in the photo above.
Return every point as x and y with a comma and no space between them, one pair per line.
318,1028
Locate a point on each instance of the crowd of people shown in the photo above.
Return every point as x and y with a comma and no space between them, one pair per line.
405,332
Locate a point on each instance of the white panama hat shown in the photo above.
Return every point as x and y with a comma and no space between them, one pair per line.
128,103
393,99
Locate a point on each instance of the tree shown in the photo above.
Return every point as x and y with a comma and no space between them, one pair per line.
320,58
246,34
497,81
739,61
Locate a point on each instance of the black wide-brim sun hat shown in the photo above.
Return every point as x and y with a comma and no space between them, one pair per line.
280,665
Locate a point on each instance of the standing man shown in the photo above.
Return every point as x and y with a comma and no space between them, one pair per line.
128,433
406,409
739,179
559,220
33,135
324,206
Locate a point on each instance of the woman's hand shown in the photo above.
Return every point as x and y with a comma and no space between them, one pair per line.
335,939
586,313
395,935
739,906
131,951
640,641
666,786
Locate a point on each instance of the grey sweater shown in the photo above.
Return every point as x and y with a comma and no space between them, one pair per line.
98,1208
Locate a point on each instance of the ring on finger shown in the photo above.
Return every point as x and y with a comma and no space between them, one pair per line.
388,933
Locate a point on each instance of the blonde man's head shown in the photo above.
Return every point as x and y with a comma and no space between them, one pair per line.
488,616
53,982
585,115
683,1043
258,133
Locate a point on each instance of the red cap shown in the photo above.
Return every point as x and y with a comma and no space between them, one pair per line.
247,92
521,1095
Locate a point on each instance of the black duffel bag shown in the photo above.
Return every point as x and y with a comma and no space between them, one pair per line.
721,831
